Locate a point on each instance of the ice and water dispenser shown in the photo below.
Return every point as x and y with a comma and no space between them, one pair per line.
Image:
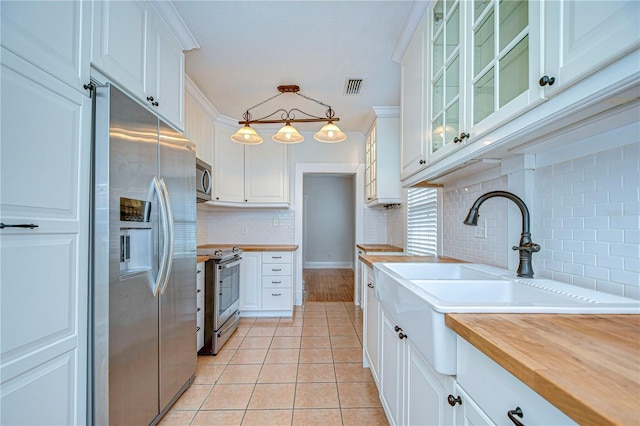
136,236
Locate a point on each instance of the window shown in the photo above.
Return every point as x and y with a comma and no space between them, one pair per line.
422,221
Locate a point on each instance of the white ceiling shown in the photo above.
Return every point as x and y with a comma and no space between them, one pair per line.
248,48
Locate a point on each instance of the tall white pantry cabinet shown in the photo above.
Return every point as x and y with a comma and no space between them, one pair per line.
44,180
45,156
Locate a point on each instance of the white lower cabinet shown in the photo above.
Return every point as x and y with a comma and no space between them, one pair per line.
199,306
266,283
411,391
497,395
371,339
250,276
467,412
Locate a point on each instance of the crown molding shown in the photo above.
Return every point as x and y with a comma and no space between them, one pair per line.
194,91
413,22
168,12
379,112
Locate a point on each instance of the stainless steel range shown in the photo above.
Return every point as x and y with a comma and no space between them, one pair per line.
222,297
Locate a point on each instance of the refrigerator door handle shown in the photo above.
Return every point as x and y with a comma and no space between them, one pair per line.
160,278
169,209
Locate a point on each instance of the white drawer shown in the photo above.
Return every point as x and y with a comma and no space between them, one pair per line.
276,257
276,269
475,370
276,281
276,299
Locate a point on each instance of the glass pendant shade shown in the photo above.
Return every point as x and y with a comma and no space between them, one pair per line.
330,133
288,134
247,136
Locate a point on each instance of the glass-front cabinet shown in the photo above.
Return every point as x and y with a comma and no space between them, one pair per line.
482,59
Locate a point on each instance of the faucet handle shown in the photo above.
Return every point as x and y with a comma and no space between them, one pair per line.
530,247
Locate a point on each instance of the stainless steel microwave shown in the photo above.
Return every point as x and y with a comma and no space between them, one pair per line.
203,181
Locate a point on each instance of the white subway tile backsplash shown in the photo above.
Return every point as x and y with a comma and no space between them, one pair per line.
596,272
625,277
610,287
610,235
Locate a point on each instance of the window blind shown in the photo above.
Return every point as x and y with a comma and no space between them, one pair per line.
422,221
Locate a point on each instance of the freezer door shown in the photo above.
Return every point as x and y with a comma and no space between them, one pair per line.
126,261
178,296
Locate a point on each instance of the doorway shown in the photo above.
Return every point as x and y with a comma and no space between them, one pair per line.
325,266
328,237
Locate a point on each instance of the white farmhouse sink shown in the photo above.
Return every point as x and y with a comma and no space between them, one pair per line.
418,295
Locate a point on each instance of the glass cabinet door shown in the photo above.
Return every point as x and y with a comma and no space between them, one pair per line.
500,49
370,166
445,119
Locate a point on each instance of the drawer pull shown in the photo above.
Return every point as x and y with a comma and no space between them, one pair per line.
517,412
453,401
370,285
276,294
276,282
276,270
276,257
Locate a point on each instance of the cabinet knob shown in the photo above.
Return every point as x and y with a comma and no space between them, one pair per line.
197,328
460,138
150,98
402,336
155,104
517,412
370,285
422,161
396,328
454,400
217,198
546,80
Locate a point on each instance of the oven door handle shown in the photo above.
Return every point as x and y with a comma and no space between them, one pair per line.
229,264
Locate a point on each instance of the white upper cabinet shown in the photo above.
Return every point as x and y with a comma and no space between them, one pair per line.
199,121
413,151
54,36
228,168
266,173
484,68
251,175
502,76
576,30
134,47
382,162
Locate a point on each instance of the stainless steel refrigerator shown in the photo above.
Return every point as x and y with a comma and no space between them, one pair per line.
144,263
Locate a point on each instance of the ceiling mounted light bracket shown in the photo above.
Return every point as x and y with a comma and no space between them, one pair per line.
330,133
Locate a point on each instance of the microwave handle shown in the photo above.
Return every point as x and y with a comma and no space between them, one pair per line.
229,265
206,181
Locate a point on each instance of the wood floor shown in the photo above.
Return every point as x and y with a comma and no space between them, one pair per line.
328,285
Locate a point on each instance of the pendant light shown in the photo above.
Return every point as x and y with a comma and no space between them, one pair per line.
329,133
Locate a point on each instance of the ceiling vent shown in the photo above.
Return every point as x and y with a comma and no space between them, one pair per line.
353,86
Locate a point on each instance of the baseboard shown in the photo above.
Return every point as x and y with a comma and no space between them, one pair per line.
328,265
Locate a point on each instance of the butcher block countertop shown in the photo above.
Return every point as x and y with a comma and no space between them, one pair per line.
588,366
253,247
369,260
379,247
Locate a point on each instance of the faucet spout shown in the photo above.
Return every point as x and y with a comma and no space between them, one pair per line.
526,247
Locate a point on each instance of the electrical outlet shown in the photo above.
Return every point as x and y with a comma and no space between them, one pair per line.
481,229
276,222
244,230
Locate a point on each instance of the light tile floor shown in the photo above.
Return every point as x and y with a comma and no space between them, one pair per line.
304,370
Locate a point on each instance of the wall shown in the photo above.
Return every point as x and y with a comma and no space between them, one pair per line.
225,226
329,221
588,220
584,214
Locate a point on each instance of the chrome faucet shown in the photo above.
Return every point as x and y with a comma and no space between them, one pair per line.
526,247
